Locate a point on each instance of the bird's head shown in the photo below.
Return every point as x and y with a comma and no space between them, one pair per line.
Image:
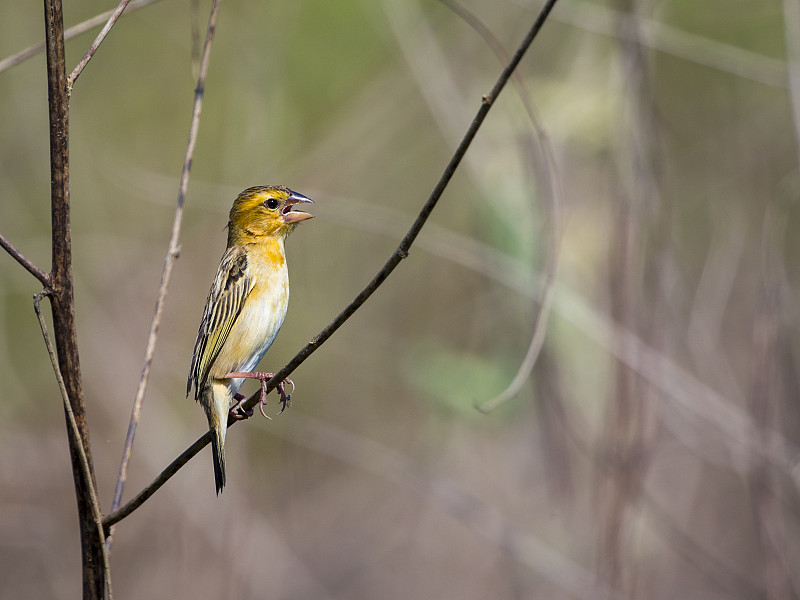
265,211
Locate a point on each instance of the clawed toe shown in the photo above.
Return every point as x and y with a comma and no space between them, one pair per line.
286,399
237,411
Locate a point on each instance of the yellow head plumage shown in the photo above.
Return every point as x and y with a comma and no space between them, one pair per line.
264,212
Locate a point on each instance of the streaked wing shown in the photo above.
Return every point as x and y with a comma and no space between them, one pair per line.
225,301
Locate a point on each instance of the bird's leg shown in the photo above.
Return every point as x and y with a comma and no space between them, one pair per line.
286,399
237,413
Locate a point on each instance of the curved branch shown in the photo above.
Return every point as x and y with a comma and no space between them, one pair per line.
550,176
399,254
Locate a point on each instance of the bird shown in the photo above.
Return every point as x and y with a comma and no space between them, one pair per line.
244,310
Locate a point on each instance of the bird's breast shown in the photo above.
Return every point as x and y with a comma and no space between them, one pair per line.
260,319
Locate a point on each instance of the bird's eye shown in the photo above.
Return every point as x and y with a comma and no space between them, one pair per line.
271,203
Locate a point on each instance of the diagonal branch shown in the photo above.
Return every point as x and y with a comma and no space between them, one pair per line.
399,254
172,254
96,43
74,31
43,277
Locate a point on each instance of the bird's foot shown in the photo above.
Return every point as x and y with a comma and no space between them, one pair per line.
237,412
286,399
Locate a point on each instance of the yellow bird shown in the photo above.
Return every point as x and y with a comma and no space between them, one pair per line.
244,310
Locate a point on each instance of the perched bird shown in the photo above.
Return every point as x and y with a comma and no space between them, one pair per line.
244,310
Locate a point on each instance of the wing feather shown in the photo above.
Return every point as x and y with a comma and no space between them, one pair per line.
224,304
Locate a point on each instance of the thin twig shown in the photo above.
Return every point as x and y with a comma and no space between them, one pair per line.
172,254
74,433
43,277
194,24
399,254
96,43
556,202
74,31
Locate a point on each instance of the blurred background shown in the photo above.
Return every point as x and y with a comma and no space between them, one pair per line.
653,450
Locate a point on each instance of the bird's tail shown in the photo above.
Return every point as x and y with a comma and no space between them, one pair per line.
216,401
218,448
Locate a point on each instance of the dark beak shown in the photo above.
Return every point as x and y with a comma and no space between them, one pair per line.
295,216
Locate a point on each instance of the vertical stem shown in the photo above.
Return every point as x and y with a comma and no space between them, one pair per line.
639,258
62,293
765,408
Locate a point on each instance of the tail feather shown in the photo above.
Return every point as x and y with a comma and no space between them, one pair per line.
218,449
216,401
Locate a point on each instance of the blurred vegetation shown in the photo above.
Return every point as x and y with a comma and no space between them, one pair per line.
634,458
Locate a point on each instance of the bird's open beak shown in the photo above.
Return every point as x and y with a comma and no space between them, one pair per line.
295,216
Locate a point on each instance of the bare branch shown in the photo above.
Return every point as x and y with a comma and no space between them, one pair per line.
70,33
43,277
96,43
172,254
399,254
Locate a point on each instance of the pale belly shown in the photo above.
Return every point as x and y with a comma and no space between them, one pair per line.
254,330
